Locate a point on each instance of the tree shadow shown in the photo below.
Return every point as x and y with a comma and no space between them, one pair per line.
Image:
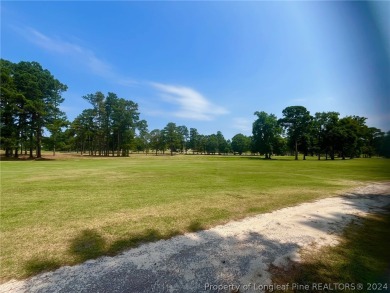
257,158
24,158
39,265
88,244
195,226
135,240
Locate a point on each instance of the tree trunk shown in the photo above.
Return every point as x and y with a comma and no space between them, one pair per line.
31,145
296,150
39,141
332,153
82,147
118,148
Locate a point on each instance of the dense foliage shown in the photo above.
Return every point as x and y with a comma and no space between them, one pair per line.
109,127
30,99
30,108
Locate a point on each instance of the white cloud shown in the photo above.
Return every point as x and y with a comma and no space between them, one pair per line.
50,44
244,125
84,56
192,104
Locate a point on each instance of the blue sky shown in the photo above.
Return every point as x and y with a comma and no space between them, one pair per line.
210,65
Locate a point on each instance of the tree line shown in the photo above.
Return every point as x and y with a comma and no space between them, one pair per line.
30,107
325,133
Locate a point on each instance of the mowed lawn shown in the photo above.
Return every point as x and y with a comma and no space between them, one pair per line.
65,211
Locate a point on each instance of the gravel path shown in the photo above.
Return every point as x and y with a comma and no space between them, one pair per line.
219,259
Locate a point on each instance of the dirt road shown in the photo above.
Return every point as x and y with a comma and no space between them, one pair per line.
222,259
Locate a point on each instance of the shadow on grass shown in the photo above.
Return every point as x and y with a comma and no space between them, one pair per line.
24,158
37,265
195,226
90,244
253,157
150,235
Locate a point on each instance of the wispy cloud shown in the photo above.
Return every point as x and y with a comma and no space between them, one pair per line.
192,104
84,56
244,125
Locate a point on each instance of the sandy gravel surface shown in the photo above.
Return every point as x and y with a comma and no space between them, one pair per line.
216,260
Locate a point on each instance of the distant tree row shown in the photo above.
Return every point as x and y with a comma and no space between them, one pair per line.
30,107
179,138
325,133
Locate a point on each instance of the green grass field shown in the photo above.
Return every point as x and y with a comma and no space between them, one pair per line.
64,211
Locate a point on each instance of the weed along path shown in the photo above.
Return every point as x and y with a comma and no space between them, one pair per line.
229,258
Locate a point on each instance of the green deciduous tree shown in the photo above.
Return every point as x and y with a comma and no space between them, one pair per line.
193,142
211,144
143,138
297,122
241,143
157,141
372,141
266,131
350,132
323,126
223,146
183,137
172,137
